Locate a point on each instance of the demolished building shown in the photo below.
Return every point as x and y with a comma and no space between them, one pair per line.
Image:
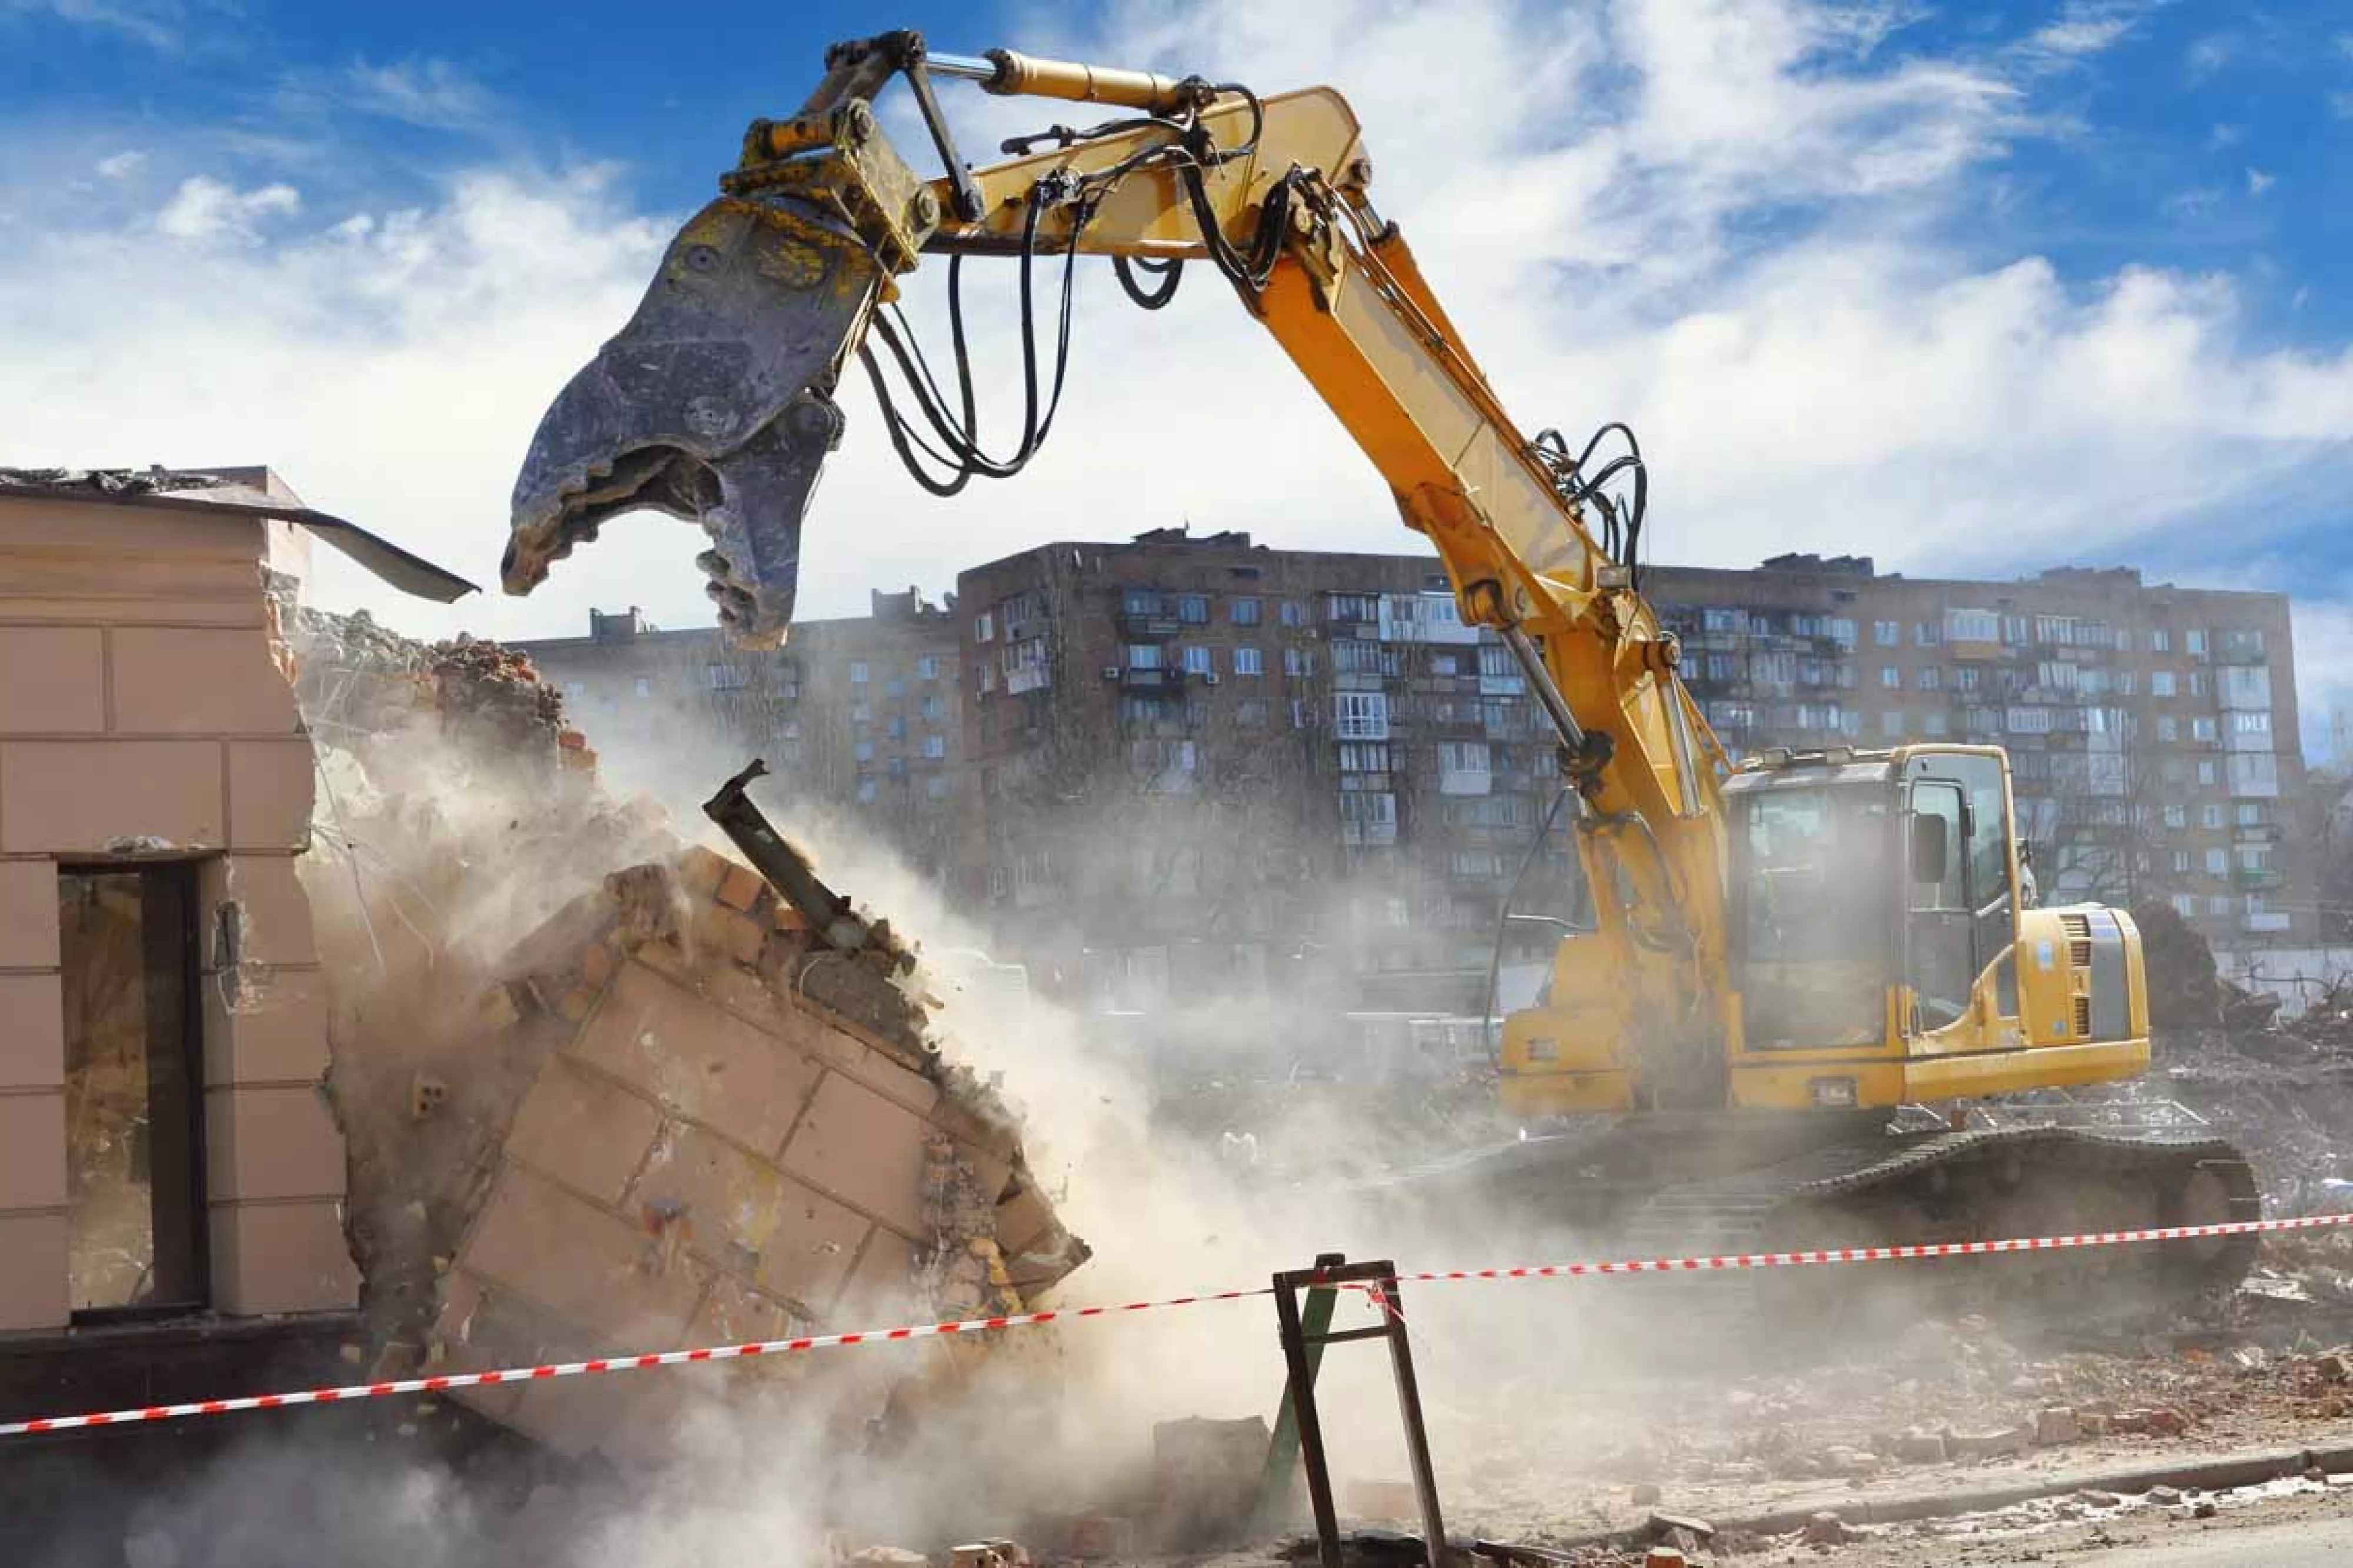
347,1013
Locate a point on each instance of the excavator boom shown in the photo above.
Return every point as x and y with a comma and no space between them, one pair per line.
716,404
1784,953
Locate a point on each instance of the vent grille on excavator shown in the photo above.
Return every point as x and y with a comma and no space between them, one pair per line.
2079,940
2083,1018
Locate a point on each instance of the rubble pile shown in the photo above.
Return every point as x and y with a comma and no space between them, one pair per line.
2185,991
2282,1091
2191,1004
491,697
111,481
606,1091
1949,1392
357,679
1955,1405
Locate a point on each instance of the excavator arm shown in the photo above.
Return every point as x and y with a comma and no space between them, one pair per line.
716,404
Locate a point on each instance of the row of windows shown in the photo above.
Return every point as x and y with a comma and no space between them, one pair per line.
1249,713
1838,629
1428,612
1977,626
935,747
2240,686
1189,609
2220,907
1823,718
1194,659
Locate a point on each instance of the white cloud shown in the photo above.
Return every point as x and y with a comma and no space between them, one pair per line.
205,209
390,364
1721,222
422,91
2259,182
154,23
121,165
2083,28
2209,54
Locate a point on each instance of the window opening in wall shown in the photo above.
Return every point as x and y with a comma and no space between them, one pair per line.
135,1193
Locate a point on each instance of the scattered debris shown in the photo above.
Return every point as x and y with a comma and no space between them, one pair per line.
605,1090
1827,1530
1207,1473
2056,1425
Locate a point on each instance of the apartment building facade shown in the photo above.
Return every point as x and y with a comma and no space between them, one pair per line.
1183,766
857,714
2152,728
1202,764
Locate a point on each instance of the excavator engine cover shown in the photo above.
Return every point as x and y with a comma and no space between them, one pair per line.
714,404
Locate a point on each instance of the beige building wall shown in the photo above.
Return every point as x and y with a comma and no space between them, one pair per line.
144,716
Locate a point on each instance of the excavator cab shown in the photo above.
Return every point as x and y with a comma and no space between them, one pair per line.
1880,951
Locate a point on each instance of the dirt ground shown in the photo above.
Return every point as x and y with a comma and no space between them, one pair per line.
2296,1521
1558,1457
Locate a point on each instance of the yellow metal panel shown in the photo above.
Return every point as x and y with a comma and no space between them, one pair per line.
1880,1082
2008,1072
1146,216
1567,1094
1877,1081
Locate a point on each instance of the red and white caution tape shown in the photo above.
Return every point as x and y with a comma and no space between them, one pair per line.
1027,1320
591,1368
1896,1254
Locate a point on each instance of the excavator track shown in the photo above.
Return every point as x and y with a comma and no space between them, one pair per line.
1958,1186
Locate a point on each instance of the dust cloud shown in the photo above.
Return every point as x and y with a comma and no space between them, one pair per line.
1173,1201
1046,1422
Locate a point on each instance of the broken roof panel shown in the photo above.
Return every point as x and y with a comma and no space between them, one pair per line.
246,492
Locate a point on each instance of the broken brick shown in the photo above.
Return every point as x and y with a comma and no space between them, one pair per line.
1921,1448
704,871
1989,1445
744,940
2056,1426
597,966
1677,1529
739,888
1827,1530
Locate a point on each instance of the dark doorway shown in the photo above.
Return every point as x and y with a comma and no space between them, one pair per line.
134,1089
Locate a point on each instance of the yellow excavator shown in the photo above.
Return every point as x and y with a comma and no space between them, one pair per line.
1813,1009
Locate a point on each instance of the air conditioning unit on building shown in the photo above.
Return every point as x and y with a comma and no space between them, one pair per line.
1210,678
1111,672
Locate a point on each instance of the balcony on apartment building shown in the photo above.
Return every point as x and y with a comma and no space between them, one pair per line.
1148,623
1146,681
2241,647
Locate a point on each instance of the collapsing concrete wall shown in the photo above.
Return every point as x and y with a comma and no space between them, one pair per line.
670,1113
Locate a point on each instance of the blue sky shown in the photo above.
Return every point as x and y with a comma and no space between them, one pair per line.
1973,288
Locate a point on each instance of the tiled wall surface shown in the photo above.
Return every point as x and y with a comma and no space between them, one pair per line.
703,1162
142,712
